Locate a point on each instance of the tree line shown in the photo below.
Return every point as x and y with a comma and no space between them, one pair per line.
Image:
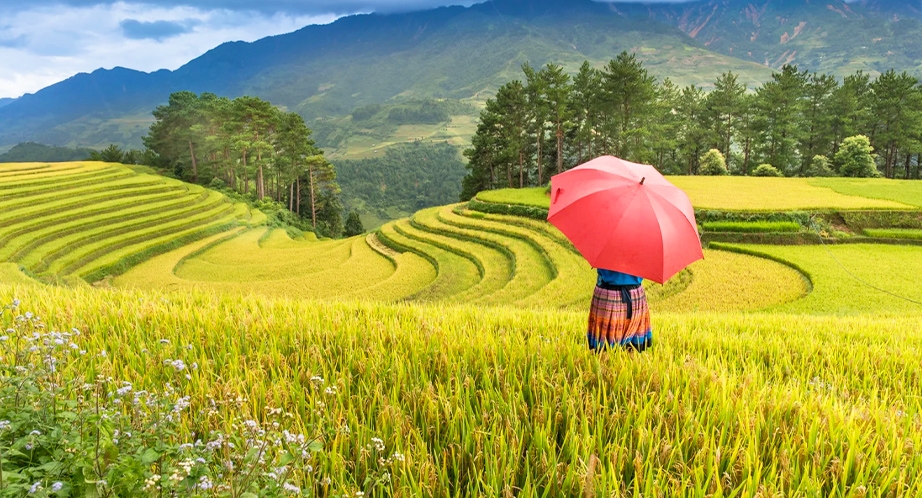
795,124
248,146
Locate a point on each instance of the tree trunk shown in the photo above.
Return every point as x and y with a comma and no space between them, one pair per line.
540,141
908,165
194,164
579,150
298,193
231,174
260,179
521,168
291,197
746,151
246,175
559,149
310,176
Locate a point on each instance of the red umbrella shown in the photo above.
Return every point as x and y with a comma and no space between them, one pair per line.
626,217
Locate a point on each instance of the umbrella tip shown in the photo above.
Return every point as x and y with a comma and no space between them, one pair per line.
642,180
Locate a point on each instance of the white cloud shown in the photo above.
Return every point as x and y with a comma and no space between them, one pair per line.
42,45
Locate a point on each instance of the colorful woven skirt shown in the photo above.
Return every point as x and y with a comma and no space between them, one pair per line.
620,317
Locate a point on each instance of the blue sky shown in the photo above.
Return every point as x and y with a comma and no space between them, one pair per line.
45,41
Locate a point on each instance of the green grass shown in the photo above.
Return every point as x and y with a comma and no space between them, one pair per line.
894,233
751,226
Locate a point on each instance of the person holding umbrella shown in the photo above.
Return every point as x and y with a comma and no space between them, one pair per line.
629,223
619,314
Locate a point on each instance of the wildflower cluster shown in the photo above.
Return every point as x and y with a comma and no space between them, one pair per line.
62,434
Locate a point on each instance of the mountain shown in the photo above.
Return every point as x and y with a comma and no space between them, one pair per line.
328,70
829,36
5,101
465,53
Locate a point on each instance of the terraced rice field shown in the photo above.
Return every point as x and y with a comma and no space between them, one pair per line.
851,278
270,263
84,221
735,193
449,255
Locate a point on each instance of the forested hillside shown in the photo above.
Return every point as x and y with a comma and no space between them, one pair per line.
407,178
31,151
799,123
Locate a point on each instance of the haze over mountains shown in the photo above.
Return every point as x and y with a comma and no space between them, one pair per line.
466,53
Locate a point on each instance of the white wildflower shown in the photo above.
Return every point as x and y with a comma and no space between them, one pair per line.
205,483
57,486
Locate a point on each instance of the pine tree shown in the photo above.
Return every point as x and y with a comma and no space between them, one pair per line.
353,225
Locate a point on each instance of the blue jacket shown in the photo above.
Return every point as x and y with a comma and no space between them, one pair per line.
617,278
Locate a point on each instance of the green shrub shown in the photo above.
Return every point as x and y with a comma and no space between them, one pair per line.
820,166
856,159
353,225
713,164
894,233
766,170
752,226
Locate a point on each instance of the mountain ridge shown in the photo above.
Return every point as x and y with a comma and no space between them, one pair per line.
467,52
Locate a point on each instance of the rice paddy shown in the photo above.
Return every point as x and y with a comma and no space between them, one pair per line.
481,401
851,278
449,255
740,193
455,339
90,220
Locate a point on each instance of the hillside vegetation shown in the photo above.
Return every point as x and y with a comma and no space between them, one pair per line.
400,180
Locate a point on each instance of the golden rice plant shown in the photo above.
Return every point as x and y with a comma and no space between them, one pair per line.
488,401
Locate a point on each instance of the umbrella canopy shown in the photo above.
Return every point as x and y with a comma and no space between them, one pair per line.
626,217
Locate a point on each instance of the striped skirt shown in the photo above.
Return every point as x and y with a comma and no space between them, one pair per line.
612,323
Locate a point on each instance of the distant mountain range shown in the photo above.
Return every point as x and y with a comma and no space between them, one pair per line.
466,53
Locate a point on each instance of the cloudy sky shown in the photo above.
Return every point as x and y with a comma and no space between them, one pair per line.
45,41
